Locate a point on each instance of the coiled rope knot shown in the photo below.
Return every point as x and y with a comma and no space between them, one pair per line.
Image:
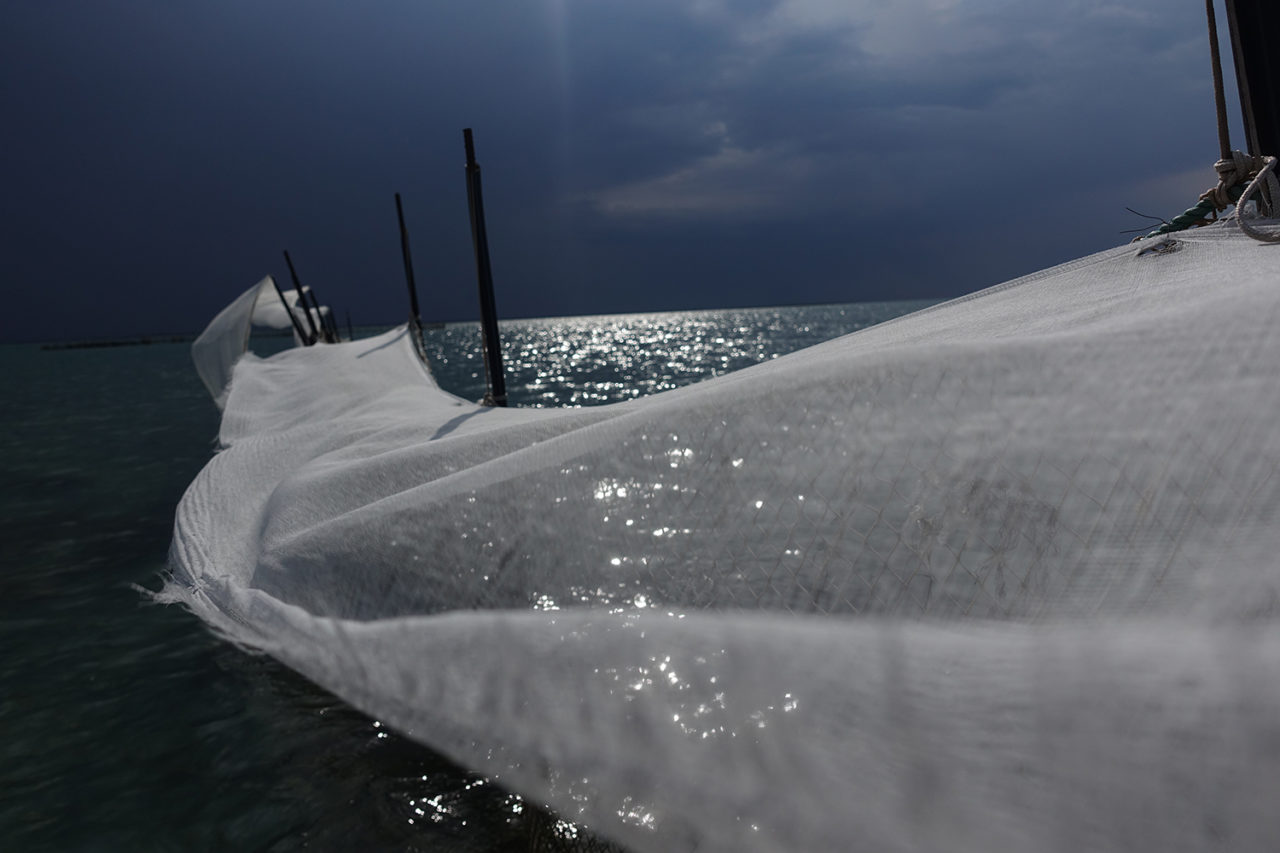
1240,169
1258,172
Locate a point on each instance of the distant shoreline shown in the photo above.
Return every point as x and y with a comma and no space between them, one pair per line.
123,342
142,341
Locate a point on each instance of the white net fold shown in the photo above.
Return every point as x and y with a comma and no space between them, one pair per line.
999,575
226,338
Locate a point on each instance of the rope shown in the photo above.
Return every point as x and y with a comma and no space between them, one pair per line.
1233,173
1265,181
1234,169
1189,218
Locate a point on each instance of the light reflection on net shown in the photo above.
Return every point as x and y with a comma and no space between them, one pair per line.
598,360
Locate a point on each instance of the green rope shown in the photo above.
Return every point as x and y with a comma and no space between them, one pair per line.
1197,215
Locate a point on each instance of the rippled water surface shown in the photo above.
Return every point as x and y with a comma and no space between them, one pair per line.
127,726
584,361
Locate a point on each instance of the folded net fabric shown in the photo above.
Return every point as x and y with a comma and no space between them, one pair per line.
999,575
222,343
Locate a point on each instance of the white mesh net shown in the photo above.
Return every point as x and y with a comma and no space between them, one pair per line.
997,575
218,348
222,343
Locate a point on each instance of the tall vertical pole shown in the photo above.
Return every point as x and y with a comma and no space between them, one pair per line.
415,317
293,318
497,395
1219,97
302,299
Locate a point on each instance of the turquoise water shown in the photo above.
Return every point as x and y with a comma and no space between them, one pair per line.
128,726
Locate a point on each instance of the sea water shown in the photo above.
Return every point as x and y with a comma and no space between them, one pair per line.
128,726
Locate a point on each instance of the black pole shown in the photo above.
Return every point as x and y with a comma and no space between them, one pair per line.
302,298
293,318
310,296
497,395
351,335
326,321
326,317
1252,24
415,316
1219,97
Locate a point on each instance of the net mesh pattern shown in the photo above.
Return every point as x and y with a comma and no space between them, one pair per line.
997,575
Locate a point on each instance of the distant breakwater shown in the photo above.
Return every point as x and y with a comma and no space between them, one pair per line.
122,342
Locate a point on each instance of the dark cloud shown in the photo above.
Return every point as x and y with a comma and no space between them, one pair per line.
637,156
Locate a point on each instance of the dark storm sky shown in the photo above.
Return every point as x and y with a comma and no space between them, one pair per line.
637,155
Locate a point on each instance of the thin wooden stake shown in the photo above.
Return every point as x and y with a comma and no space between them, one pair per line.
293,318
497,395
415,316
1219,97
302,298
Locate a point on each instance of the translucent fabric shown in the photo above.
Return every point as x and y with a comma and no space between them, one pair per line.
269,311
226,338
999,575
